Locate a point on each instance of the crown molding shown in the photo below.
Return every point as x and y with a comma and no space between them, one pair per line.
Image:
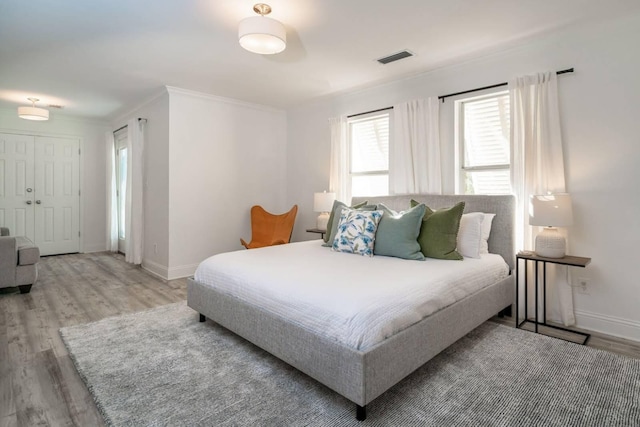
215,98
123,117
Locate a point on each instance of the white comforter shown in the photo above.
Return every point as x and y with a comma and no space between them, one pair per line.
356,300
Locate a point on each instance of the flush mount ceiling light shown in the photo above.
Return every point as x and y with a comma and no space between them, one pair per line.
33,112
259,34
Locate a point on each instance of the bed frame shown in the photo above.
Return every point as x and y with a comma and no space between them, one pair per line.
361,376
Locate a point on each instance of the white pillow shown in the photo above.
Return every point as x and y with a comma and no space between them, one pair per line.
486,231
470,234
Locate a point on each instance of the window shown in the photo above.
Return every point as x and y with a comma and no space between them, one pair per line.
121,184
483,140
369,155
122,189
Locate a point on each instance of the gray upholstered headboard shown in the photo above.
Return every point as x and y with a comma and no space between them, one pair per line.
502,238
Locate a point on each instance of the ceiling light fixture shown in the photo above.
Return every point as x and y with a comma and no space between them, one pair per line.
259,34
33,112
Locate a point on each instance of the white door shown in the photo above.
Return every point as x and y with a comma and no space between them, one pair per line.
57,195
16,184
40,190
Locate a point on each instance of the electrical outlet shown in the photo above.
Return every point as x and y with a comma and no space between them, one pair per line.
582,285
155,248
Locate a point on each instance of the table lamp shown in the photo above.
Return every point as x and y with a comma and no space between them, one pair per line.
323,203
550,211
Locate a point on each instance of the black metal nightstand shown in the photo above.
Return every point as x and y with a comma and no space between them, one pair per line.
569,260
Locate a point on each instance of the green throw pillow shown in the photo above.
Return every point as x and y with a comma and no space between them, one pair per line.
439,232
332,224
397,234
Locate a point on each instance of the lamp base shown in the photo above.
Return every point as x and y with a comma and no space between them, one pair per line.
550,243
322,220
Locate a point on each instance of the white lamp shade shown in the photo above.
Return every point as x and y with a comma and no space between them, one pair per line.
323,202
551,210
259,34
33,113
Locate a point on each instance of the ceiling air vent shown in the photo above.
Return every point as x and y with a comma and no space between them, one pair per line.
395,57
60,107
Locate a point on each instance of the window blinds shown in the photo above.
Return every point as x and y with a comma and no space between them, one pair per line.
369,155
486,145
369,151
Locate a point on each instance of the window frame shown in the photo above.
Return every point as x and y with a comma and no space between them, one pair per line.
461,169
383,172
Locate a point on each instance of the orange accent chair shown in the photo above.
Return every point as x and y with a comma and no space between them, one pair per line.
268,229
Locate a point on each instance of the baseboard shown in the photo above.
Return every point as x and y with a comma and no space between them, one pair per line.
182,271
156,269
610,325
167,273
86,249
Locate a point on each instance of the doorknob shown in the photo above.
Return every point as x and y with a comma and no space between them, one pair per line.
38,202
28,202
29,190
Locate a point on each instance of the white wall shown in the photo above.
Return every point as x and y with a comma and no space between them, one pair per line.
155,256
600,134
224,157
92,168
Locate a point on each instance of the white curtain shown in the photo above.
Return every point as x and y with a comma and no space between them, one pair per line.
538,168
338,180
414,155
134,203
112,201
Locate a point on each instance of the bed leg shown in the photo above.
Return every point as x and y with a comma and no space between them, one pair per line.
361,412
505,312
202,318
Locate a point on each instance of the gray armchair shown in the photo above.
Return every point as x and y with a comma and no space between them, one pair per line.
18,261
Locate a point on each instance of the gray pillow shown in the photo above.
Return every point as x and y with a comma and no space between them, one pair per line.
397,234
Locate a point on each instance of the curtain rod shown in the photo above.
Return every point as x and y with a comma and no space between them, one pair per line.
443,97
369,112
122,127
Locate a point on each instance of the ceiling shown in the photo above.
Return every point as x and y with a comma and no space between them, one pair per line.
99,58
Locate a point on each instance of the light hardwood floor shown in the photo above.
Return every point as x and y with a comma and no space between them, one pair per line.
38,383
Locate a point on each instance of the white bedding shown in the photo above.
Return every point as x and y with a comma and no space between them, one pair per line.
356,300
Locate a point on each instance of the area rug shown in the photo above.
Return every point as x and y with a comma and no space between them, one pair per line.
163,367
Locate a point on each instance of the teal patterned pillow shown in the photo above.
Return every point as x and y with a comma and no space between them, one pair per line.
356,231
336,210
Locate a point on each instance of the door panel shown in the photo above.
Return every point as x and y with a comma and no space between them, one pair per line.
57,195
16,184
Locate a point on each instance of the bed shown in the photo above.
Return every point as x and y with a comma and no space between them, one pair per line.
350,345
